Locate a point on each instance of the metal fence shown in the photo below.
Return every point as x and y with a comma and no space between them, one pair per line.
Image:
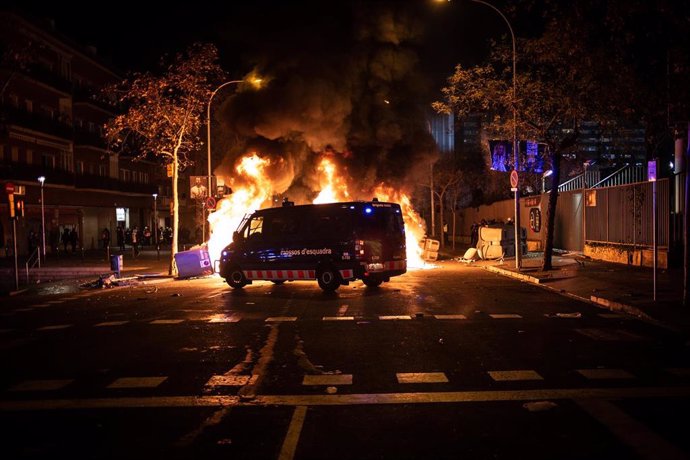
624,214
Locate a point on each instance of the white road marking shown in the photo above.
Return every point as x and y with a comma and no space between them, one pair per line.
450,316
646,443
511,376
228,380
137,382
167,321
421,377
111,323
597,374
440,397
610,335
221,318
328,379
276,319
41,385
287,452
338,318
394,317
54,328
505,315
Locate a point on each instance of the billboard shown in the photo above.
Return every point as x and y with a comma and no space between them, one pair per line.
532,156
501,155
198,187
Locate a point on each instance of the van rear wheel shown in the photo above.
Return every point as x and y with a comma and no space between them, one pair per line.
236,278
328,278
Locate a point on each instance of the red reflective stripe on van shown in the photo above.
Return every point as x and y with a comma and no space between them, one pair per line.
300,274
280,274
312,274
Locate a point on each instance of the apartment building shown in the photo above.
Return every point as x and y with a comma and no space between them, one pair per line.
51,125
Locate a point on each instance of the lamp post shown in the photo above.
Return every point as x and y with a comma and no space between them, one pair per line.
155,226
256,82
42,179
516,158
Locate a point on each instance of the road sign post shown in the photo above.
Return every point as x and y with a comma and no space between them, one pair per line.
651,177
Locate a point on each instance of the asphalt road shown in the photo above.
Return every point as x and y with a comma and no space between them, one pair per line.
451,362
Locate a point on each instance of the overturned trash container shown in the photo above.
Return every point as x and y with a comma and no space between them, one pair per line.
195,262
116,264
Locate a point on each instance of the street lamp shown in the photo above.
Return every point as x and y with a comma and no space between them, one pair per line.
42,179
543,179
516,158
254,81
155,225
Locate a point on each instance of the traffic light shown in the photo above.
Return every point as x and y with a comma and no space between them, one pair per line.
19,208
10,199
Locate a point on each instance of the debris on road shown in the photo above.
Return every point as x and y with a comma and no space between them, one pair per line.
539,406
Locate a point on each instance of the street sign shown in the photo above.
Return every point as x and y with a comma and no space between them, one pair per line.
9,188
169,169
211,203
513,179
19,190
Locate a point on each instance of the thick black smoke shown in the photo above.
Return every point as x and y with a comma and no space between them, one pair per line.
351,90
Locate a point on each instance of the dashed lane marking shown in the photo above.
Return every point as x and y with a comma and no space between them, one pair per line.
111,323
41,385
600,374
328,379
137,382
167,321
228,380
348,399
450,316
505,315
512,376
54,328
220,318
277,319
609,335
421,377
394,317
338,318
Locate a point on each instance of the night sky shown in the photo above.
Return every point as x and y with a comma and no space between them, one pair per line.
133,37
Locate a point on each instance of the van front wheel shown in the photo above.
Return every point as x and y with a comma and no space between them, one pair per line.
236,278
328,278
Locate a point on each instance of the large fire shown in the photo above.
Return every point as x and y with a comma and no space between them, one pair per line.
253,189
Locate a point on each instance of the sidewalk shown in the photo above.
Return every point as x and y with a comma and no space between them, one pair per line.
75,268
616,287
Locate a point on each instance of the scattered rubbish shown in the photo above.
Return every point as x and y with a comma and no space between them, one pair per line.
441,341
576,314
224,442
108,281
177,294
152,291
331,390
539,406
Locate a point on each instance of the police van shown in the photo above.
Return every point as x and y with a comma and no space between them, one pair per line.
331,243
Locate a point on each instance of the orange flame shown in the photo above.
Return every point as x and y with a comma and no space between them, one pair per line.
252,188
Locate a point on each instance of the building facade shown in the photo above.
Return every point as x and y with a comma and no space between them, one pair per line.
51,125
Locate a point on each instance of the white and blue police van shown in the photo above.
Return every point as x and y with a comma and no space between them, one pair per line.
331,243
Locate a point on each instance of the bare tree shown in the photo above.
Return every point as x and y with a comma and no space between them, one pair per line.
163,115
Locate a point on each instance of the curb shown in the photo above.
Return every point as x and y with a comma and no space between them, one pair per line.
520,276
594,300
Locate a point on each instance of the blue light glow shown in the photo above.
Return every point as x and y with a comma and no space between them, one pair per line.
368,210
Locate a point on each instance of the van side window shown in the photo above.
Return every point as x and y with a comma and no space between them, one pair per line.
255,227
279,227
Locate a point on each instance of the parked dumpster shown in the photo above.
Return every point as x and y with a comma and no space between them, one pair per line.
195,262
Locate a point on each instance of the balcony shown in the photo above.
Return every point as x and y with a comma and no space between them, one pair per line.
32,120
25,172
50,78
84,137
108,183
84,95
